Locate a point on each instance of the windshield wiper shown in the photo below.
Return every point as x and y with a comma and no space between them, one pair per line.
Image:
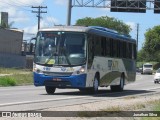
66,56
54,54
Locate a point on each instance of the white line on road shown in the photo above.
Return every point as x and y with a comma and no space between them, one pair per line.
19,88
37,101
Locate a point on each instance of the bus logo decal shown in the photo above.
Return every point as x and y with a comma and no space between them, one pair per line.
63,69
47,68
112,65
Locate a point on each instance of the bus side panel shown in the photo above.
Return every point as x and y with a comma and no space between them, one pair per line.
110,70
130,74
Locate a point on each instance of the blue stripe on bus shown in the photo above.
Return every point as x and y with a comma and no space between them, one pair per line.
77,81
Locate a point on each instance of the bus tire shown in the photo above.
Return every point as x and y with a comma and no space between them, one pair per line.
50,90
118,88
94,89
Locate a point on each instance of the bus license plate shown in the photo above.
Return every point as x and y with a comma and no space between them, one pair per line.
57,79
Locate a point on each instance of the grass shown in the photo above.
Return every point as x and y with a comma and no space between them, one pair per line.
111,111
15,77
130,97
7,81
12,70
155,108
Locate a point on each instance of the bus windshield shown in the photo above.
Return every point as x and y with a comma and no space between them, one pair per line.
60,48
148,66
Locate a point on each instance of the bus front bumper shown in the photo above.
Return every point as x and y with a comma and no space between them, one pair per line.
73,81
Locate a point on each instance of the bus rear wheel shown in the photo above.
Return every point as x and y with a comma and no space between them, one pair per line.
118,88
50,90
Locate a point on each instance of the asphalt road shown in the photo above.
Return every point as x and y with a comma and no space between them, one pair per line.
22,98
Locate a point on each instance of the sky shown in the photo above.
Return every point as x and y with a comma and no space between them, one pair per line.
20,12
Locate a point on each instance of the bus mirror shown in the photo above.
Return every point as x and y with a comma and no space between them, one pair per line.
31,46
31,49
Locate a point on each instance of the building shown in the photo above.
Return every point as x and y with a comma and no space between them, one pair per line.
10,48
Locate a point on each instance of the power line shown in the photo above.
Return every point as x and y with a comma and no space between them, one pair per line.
17,6
19,3
39,13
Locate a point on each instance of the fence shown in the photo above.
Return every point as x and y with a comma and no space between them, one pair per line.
16,61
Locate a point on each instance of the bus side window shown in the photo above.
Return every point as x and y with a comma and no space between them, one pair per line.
121,49
135,51
115,51
97,45
124,49
90,50
118,48
130,51
103,46
108,48
111,47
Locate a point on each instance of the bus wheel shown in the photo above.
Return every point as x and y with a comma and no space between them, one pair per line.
118,88
50,90
94,89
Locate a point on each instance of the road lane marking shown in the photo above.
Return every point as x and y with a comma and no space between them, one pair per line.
47,100
11,89
37,101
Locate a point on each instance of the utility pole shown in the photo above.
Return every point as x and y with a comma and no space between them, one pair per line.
39,13
137,34
69,12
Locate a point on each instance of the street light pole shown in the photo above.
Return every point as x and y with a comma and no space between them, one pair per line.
69,12
137,35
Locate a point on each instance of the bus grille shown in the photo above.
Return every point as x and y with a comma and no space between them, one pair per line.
57,73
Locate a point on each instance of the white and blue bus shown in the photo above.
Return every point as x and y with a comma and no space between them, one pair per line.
84,58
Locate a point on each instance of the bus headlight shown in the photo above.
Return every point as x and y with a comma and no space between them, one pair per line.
37,70
82,70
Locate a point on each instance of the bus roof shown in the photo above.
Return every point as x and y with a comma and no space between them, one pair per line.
92,29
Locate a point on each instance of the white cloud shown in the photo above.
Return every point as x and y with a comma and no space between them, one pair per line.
18,10
48,22
45,23
132,25
61,2
31,29
19,3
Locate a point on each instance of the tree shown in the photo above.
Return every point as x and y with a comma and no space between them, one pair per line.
105,21
152,44
141,56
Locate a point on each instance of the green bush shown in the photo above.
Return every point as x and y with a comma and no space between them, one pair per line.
156,66
7,81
